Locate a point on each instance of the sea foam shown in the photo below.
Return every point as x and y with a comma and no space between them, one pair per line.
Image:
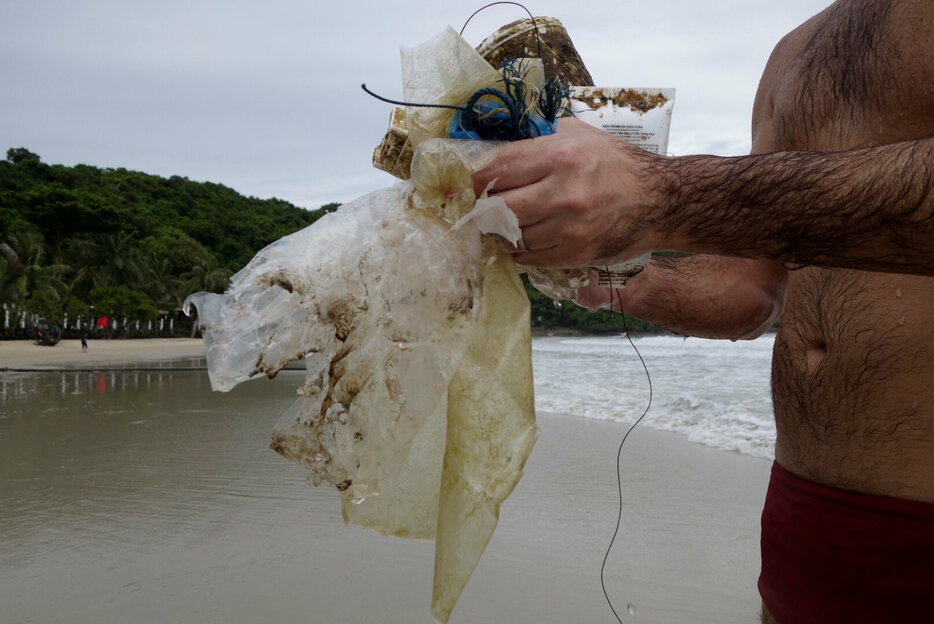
715,392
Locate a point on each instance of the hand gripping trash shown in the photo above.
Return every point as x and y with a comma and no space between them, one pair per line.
418,404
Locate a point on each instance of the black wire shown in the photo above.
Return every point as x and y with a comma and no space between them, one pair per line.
619,452
516,118
523,7
401,103
521,128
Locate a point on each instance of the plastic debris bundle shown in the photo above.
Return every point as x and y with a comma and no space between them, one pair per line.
418,403
493,114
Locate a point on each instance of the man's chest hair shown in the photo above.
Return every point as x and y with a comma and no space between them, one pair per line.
852,75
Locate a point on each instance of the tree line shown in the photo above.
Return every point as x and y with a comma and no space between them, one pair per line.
84,242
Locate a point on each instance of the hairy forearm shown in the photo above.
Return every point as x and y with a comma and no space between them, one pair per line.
706,296
868,209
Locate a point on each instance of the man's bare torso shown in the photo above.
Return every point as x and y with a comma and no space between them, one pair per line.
853,368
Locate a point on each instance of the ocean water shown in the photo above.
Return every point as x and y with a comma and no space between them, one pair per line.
141,496
715,392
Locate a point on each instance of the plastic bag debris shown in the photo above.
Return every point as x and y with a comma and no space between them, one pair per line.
417,404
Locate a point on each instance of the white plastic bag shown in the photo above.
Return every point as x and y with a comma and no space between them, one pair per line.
418,400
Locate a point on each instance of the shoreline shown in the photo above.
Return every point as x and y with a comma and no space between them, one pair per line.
25,355
687,550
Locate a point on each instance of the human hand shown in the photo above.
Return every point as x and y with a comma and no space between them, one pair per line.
581,195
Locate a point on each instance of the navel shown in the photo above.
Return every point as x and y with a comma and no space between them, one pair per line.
815,352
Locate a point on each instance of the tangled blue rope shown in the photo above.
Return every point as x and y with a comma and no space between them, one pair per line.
502,115
492,114
484,118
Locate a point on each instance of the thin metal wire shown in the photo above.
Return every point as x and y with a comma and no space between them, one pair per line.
401,103
619,452
538,36
451,106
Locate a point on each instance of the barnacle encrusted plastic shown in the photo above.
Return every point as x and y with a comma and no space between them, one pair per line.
417,404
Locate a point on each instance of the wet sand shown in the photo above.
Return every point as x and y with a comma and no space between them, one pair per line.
143,497
68,353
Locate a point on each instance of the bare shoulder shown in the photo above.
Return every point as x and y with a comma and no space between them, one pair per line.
915,16
911,30
860,72
784,53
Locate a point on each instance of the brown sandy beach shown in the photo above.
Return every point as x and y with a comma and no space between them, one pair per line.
67,353
277,550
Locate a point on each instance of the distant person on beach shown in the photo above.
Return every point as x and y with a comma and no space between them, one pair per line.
84,342
830,223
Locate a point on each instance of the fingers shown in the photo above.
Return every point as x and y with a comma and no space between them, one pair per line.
533,249
529,202
566,193
519,164
548,234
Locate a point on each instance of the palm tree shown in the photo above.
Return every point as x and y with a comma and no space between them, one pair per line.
206,275
6,280
29,284
92,272
160,283
26,273
120,254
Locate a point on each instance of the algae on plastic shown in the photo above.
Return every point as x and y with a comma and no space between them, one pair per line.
418,403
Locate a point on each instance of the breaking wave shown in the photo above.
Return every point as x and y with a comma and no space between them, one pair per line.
715,392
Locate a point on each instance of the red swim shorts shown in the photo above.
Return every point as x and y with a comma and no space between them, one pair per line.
836,556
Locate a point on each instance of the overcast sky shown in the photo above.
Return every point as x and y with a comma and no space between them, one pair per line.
265,96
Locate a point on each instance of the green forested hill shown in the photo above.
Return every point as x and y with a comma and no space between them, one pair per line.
128,243
83,242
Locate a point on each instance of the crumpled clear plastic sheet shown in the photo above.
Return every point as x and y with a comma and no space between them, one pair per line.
465,72
559,284
418,402
444,70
